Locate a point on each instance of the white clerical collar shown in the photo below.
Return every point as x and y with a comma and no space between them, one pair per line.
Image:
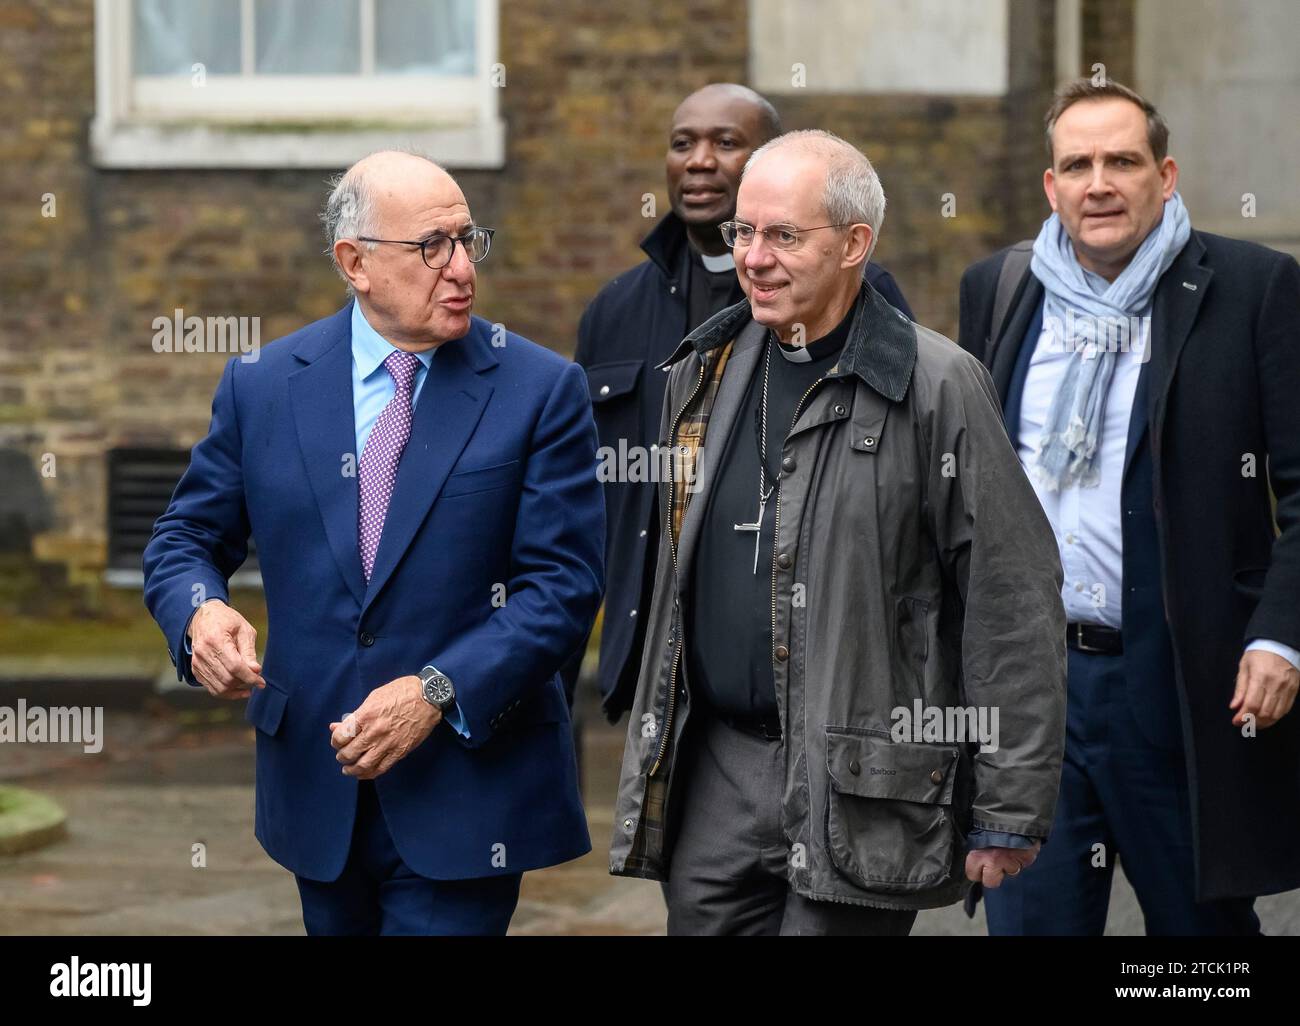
799,354
717,264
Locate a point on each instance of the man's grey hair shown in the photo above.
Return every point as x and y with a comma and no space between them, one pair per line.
349,213
852,193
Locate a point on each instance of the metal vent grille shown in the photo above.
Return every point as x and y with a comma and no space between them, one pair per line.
140,486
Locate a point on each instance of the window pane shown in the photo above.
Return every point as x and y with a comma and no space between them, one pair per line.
308,37
430,37
173,35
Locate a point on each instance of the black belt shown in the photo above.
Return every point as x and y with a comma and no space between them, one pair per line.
1093,637
766,730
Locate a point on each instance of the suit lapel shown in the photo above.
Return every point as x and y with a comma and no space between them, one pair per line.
321,398
1177,301
449,408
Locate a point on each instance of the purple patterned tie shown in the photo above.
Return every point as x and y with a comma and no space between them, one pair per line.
379,459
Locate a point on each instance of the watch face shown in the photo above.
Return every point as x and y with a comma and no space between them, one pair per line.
439,689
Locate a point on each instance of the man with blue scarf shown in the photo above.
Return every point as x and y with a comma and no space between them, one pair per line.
1150,380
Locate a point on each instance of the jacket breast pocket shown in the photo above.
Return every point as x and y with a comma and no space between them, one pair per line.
483,479
609,381
265,708
888,825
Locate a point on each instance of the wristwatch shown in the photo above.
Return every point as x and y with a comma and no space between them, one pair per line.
437,689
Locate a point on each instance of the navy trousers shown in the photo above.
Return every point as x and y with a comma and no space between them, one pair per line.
1119,792
377,893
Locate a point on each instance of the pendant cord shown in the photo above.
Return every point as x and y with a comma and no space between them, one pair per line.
760,429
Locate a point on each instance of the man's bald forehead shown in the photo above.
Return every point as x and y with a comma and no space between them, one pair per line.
390,170
805,147
410,193
718,95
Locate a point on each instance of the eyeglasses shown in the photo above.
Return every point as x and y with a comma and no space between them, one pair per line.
778,236
436,250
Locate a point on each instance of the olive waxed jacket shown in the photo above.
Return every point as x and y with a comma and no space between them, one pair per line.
912,563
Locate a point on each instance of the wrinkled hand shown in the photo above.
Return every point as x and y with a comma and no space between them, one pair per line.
1266,688
392,720
989,865
225,653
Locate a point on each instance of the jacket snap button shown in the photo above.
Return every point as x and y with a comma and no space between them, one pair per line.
627,824
839,409
783,561
868,442
788,464
854,768
936,776
782,653
604,390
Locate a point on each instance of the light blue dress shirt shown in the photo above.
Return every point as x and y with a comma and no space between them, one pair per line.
372,389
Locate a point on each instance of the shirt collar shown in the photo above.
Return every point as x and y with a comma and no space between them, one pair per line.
718,264
370,349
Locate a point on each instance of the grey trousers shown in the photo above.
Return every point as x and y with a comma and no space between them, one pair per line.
728,869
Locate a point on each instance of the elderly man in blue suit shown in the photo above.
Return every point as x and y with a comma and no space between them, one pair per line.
421,487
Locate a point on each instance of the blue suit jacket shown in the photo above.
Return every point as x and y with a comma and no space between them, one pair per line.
496,487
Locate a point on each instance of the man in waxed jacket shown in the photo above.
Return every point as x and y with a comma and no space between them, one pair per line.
637,320
851,698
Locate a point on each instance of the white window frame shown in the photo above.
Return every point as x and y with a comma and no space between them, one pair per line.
323,121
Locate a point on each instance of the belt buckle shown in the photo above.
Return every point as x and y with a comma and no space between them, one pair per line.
1079,642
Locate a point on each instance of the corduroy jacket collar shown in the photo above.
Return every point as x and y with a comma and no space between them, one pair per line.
881,348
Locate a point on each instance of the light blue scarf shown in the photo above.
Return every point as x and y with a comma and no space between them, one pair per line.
1071,436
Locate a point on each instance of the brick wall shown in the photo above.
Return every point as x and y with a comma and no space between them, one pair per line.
590,90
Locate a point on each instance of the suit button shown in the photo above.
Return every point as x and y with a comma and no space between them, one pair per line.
784,561
366,638
604,390
788,464
782,653
936,776
854,768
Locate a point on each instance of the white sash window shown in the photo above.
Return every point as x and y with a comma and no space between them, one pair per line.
276,83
